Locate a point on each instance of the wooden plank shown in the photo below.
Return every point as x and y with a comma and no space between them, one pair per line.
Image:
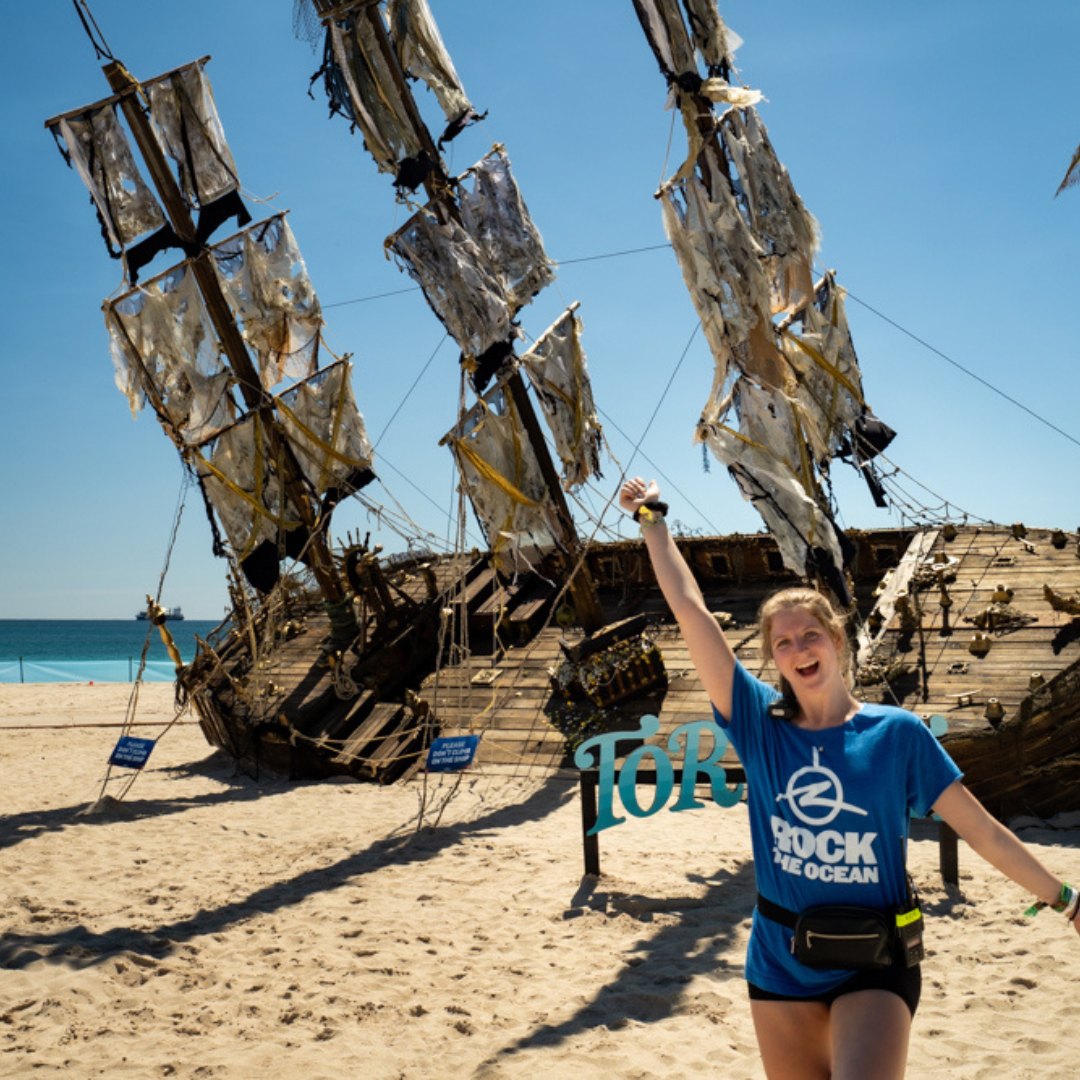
382,716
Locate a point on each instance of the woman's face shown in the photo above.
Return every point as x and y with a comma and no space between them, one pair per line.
803,650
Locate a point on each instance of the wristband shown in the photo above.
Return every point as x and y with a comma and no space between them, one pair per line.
651,512
1073,911
1068,898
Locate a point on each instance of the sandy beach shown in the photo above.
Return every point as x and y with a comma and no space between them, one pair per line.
215,926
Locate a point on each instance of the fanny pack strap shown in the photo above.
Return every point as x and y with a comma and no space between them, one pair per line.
776,913
789,919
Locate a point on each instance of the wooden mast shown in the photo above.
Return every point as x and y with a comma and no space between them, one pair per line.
581,586
255,396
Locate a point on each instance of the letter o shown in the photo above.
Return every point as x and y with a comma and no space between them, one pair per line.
802,842
665,777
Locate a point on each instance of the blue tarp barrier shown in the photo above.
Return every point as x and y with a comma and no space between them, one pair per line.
53,671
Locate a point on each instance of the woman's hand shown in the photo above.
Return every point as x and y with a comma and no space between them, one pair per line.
636,492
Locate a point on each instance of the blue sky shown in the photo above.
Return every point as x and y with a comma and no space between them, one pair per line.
927,138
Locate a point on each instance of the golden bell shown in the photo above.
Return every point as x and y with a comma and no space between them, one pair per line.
980,644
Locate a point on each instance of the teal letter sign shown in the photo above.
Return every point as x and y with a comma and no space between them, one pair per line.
687,739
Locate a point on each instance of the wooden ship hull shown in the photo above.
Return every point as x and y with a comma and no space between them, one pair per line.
1011,705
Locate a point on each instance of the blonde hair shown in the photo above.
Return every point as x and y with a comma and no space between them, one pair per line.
818,606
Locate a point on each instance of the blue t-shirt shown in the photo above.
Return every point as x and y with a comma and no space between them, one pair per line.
829,813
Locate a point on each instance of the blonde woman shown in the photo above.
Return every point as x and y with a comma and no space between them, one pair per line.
831,783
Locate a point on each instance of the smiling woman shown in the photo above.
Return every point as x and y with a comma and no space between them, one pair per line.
800,629
833,964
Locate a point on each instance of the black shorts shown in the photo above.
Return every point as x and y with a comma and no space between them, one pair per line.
899,979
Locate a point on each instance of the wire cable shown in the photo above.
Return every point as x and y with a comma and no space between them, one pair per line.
960,367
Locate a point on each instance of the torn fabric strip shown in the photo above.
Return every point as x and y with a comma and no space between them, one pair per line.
557,369
423,55
783,228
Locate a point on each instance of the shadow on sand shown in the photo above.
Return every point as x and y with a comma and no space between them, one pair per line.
80,947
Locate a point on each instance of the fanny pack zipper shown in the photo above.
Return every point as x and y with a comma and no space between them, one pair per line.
832,937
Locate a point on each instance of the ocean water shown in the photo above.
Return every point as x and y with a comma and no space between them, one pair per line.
84,650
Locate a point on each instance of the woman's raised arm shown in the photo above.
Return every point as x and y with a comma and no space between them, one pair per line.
709,649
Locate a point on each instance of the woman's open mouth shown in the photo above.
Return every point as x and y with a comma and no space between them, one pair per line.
806,670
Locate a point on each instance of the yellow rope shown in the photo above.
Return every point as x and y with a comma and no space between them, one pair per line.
322,444
824,364
491,475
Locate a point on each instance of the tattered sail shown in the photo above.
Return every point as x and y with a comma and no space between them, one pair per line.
766,456
783,404
503,480
241,469
96,146
464,290
371,100
272,468
557,369
326,432
722,267
478,259
360,82
184,121
165,350
263,276
495,215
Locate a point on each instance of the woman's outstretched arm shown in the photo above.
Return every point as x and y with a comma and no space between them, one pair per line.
987,837
709,649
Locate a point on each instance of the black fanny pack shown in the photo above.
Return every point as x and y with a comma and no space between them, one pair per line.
841,936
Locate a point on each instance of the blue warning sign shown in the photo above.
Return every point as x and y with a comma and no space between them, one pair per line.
452,754
131,753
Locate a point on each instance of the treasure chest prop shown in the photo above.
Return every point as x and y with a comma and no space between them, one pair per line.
617,663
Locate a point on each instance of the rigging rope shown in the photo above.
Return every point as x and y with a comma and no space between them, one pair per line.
881,315
133,698
93,31
408,393
960,367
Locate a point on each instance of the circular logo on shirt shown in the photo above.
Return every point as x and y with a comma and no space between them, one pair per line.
816,795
